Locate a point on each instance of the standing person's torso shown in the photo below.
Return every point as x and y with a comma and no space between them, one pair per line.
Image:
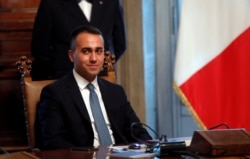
66,15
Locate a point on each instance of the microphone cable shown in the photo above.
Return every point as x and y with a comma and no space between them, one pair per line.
149,146
162,138
139,123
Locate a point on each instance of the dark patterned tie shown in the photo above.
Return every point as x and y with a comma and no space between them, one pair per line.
101,126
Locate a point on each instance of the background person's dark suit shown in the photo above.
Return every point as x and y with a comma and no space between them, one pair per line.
68,123
54,23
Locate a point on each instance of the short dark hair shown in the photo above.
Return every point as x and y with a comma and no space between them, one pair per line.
81,29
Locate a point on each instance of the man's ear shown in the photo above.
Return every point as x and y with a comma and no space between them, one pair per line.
70,54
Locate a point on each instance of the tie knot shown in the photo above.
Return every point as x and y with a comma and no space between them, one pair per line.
90,87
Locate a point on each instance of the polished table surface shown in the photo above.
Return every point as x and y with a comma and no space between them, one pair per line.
65,154
102,153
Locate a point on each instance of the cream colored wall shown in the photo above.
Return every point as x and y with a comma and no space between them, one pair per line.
130,71
170,118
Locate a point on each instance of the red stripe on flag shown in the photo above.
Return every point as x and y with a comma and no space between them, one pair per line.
220,91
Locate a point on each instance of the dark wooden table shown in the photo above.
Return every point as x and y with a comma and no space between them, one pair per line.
102,154
65,154
74,154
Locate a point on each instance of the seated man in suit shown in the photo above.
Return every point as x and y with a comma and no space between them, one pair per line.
64,112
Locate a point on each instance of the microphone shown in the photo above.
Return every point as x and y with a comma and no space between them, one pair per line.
149,145
163,147
219,125
139,123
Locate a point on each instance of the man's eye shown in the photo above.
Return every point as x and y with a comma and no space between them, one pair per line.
100,51
85,51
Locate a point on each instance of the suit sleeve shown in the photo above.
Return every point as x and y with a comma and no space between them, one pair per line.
119,32
41,42
50,116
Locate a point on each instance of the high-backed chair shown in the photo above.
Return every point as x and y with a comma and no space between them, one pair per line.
32,90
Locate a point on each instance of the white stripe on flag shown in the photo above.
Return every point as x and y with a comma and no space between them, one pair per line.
207,27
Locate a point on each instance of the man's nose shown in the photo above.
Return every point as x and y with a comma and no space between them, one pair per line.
93,56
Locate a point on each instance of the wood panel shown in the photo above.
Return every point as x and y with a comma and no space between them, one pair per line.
17,4
16,23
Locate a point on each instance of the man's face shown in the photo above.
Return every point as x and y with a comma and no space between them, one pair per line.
88,56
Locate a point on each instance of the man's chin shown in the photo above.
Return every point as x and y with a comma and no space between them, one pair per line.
94,72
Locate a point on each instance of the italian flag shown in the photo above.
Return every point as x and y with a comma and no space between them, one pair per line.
212,67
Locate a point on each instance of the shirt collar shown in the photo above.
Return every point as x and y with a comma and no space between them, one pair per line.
82,82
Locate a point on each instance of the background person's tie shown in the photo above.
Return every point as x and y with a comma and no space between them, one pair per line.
101,126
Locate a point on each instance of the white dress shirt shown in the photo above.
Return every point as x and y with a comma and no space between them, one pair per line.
86,7
82,84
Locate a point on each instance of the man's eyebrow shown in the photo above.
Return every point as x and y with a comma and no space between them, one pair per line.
86,48
99,48
92,48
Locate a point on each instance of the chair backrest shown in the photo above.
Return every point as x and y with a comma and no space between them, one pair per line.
32,89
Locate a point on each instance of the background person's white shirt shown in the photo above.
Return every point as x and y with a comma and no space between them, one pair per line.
86,7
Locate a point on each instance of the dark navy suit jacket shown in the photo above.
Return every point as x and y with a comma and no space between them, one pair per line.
53,25
64,120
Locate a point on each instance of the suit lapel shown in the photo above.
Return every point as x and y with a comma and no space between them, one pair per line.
72,7
104,92
76,96
107,99
97,11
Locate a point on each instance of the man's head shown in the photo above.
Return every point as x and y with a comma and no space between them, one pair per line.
87,51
